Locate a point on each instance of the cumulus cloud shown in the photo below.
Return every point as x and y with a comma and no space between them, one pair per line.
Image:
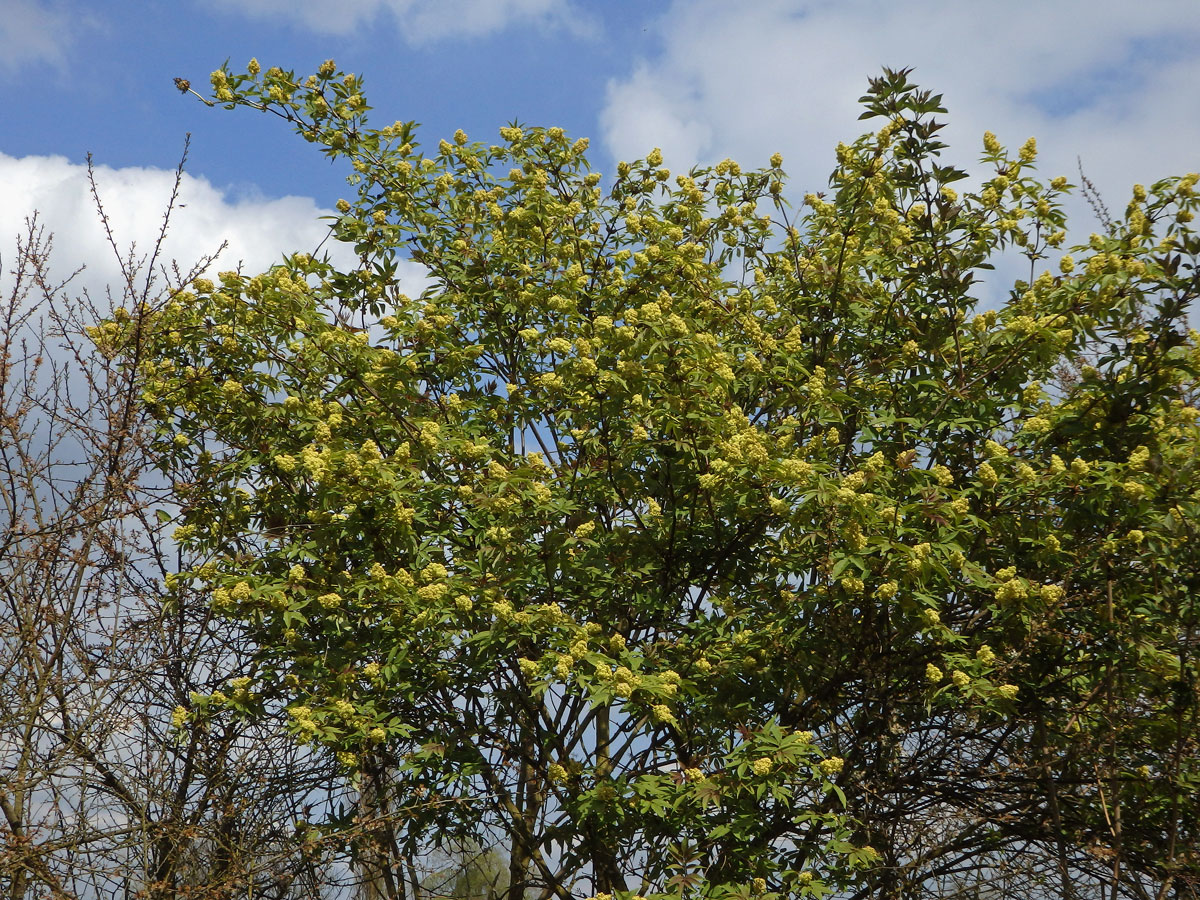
417,21
1101,79
33,31
258,230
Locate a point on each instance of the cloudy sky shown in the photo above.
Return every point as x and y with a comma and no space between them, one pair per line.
1109,82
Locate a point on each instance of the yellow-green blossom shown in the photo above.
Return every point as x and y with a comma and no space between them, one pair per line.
831,765
1052,593
1011,589
1134,490
1138,459
661,713
987,475
995,450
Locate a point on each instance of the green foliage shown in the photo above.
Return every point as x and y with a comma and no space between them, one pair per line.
659,527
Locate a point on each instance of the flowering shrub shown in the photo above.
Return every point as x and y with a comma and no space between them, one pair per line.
693,544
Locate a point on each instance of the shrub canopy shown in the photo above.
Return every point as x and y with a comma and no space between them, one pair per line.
687,544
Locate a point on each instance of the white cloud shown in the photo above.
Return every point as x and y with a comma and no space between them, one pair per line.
417,21
1103,79
258,230
33,31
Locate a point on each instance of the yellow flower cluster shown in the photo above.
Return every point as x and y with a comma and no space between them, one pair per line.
816,384
562,669
831,765
942,475
762,765
1133,490
855,538
796,471
1052,593
661,713
1011,590
995,450
432,592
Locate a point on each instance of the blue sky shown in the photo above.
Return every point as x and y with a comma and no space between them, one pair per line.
1114,83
